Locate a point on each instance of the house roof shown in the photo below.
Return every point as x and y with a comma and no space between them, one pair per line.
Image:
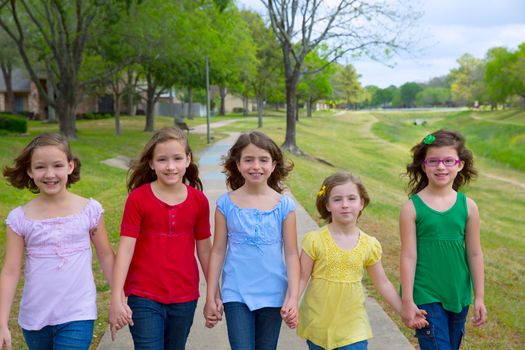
20,81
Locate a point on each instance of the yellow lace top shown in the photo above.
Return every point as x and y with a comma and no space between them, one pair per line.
332,312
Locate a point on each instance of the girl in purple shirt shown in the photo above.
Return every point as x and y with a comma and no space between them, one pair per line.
55,229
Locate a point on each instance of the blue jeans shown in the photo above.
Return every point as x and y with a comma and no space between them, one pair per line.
360,345
445,328
252,330
159,326
75,335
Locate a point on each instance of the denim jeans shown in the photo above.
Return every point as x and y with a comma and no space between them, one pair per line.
75,335
360,345
445,328
159,326
252,330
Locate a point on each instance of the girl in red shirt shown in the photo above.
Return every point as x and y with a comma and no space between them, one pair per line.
165,216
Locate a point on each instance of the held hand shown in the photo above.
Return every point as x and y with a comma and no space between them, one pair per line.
480,313
5,338
213,312
409,310
120,315
420,320
289,313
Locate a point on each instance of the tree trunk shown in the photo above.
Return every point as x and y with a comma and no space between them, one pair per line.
222,93
131,92
190,103
7,71
309,107
150,103
66,116
296,108
260,106
245,105
116,107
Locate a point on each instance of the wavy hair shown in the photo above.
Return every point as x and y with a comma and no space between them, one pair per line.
18,176
337,179
140,171
418,180
234,179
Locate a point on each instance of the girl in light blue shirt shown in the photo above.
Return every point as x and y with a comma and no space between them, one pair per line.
253,223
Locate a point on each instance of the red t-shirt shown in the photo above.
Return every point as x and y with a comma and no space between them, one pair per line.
163,267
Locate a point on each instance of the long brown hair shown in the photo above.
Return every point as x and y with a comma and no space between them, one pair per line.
418,180
234,179
337,179
17,175
141,172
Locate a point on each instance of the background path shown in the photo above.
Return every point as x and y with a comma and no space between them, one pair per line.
386,333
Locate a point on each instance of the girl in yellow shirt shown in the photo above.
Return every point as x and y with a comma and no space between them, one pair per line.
332,314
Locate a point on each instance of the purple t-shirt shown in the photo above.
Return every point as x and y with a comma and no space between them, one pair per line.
59,285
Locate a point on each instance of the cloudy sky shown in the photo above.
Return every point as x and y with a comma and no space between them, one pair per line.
452,28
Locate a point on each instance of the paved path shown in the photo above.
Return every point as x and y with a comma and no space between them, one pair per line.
387,335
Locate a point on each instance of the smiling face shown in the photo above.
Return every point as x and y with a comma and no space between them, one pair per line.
255,165
344,203
50,169
441,175
169,162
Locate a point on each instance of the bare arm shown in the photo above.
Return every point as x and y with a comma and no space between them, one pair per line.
307,265
9,277
213,306
476,263
203,254
119,316
407,229
105,253
291,255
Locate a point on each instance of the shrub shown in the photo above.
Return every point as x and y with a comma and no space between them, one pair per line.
13,123
238,109
94,116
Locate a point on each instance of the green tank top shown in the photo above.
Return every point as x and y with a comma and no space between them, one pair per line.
442,272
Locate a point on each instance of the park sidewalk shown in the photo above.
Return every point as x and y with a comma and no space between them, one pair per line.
386,333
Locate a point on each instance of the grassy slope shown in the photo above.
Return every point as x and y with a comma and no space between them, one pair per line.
376,147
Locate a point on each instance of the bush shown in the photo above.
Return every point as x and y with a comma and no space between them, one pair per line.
94,116
13,123
238,109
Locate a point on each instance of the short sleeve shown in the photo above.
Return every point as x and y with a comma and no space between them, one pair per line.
16,222
94,211
310,244
224,204
131,218
374,252
287,206
202,228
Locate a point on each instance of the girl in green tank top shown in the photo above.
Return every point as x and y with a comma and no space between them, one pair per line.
441,257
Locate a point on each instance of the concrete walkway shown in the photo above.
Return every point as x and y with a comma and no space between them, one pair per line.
386,333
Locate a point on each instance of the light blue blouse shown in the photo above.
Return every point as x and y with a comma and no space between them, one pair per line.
254,272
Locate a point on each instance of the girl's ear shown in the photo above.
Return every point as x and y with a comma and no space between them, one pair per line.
71,167
461,165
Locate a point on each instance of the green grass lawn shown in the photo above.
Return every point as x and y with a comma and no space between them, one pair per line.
376,147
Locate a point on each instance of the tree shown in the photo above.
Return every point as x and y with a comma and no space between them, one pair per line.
59,32
408,94
8,61
347,26
346,85
268,65
433,96
467,80
497,79
316,85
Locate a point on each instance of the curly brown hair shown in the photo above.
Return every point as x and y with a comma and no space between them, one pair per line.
337,179
234,179
418,180
18,176
140,171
